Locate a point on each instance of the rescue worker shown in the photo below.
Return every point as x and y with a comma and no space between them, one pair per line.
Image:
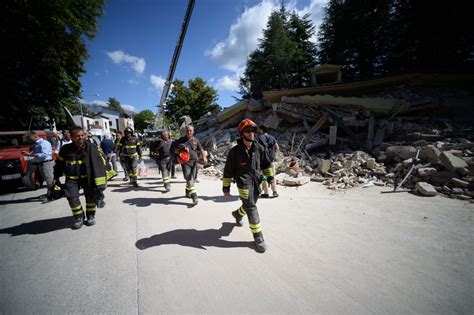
190,146
84,167
119,137
270,145
161,153
129,150
245,164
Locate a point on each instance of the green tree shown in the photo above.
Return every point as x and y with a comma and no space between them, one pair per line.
43,57
114,104
143,119
301,30
430,38
352,35
375,38
195,100
284,56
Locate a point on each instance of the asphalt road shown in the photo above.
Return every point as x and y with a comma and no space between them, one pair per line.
353,252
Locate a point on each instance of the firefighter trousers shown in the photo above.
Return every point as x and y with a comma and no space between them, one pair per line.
249,196
131,166
71,191
165,166
190,174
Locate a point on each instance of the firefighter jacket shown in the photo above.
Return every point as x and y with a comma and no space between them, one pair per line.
246,167
160,149
86,163
129,148
193,145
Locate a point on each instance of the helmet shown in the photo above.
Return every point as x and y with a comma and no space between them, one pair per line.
56,192
183,157
245,124
128,129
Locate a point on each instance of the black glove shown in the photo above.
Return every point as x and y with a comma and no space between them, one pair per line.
99,198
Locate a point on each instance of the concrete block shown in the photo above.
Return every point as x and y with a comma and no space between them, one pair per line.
452,162
426,189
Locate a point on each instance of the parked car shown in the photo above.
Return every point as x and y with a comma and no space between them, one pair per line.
16,170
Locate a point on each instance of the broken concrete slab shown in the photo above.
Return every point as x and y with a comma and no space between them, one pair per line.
426,189
298,181
452,162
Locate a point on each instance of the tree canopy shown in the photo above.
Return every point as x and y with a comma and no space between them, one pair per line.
284,57
43,57
195,100
114,104
377,38
143,119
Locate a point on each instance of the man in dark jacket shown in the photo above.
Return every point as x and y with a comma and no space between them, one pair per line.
245,164
129,150
189,145
270,145
84,167
161,153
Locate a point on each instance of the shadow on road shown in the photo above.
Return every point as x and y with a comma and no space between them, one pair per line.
194,238
145,202
220,198
39,227
39,198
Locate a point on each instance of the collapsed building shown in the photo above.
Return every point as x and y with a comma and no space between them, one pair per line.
412,131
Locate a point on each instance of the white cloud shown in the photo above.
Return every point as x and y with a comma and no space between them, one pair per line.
99,103
136,63
158,82
229,83
132,82
128,108
231,53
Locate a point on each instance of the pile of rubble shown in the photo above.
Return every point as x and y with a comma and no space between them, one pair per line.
328,140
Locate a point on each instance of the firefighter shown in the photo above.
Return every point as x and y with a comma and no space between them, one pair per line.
186,149
245,164
161,153
84,167
129,149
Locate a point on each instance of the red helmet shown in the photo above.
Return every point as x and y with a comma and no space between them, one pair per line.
245,124
183,157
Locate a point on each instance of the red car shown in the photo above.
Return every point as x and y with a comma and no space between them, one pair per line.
15,168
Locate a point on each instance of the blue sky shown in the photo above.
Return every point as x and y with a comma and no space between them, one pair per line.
131,54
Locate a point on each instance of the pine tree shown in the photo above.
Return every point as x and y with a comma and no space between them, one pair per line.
284,55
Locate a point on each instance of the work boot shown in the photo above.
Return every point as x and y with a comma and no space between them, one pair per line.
265,196
195,198
135,184
167,187
78,221
238,219
275,194
125,179
90,220
260,242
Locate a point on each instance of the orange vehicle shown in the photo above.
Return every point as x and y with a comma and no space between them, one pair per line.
16,170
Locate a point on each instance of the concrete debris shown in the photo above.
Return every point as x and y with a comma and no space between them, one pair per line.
315,146
426,189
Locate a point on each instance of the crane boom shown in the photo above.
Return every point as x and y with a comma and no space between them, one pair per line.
174,62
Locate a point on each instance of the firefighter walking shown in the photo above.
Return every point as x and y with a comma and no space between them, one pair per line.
161,153
186,149
84,167
246,164
129,150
